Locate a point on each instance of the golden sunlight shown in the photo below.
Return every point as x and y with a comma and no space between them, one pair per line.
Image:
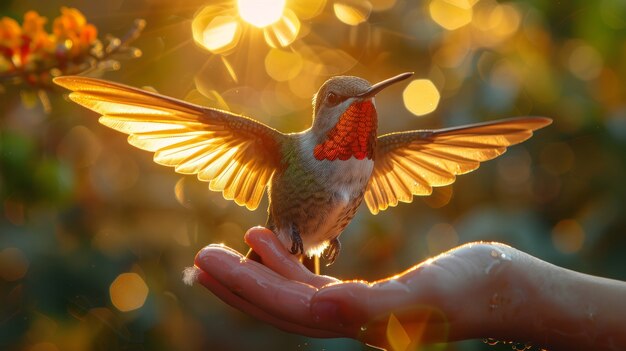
396,334
221,35
261,13
284,31
421,97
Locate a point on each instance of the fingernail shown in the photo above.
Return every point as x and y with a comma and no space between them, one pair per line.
255,229
219,246
325,311
213,251
246,236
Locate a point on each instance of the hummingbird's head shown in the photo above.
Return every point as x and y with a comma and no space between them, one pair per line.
344,117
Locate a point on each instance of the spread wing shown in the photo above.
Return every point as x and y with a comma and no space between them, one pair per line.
235,154
411,163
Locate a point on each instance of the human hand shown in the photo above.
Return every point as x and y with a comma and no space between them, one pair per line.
468,292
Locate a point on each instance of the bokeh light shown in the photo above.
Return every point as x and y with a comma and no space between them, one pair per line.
451,14
585,62
220,35
568,236
128,292
421,97
261,13
352,12
283,65
495,22
440,196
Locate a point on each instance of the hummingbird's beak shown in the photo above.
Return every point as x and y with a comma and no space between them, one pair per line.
376,88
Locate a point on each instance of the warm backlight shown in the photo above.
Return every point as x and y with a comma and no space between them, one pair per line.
421,97
221,35
261,13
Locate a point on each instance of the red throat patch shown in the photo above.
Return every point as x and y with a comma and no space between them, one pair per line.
354,134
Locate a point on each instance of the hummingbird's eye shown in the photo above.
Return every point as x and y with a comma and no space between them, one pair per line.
332,99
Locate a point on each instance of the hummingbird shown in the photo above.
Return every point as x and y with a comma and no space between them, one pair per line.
315,179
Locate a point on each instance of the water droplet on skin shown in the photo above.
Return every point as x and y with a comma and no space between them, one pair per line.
494,302
363,328
518,346
591,314
491,341
499,257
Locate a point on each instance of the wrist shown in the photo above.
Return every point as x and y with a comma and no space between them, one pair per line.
558,308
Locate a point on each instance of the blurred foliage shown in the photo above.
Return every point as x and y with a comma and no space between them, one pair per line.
94,235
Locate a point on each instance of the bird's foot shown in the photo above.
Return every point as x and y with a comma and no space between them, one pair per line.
296,242
332,251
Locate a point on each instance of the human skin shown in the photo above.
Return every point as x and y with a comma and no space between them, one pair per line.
477,290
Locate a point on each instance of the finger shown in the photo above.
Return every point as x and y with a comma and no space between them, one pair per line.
237,302
257,284
276,257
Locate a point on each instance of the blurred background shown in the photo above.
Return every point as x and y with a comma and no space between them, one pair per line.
94,235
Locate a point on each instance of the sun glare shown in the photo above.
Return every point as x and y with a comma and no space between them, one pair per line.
261,13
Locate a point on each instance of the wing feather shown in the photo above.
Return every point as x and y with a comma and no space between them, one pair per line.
235,154
420,185
412,163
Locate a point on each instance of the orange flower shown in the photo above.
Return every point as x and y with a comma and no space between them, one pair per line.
10,42
33,24
40,41
31,55
72,29
70,22
10,33
88,35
